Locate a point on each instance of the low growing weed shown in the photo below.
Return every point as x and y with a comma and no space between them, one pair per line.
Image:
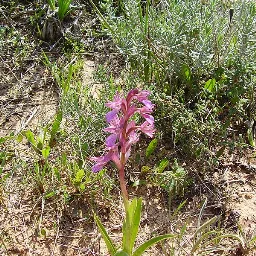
167,174
42,145
5,157
207,239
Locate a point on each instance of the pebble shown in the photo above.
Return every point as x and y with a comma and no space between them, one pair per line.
248,196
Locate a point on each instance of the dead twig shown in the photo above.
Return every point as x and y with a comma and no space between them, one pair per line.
28,120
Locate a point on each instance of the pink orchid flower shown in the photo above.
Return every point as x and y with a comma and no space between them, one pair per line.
125,132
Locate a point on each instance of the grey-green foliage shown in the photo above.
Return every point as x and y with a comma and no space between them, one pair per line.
199,62
83,104
85,108
183,32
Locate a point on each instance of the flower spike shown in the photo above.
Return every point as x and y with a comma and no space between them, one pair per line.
125,133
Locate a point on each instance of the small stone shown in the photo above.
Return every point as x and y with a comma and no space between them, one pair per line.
156,200
248,196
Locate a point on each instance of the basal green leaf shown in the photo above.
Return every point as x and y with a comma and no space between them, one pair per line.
46,152
186,72
151,242
79,176
151,147
250,137
56,123
30,137
162,165
50,194
121,253
127,229
107,240
131,224
136,220
57,173
210,85
39,145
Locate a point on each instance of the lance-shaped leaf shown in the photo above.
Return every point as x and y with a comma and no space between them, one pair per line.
151,242
131,224
121,253
107,239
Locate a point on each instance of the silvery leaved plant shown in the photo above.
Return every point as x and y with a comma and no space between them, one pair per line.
124,132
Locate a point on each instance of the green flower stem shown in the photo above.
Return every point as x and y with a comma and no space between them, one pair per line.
121,171
122,182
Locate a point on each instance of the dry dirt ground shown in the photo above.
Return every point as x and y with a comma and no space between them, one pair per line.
32,225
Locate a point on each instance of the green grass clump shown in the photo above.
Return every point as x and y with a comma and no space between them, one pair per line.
63,7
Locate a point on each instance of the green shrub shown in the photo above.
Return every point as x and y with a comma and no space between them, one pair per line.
199,61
